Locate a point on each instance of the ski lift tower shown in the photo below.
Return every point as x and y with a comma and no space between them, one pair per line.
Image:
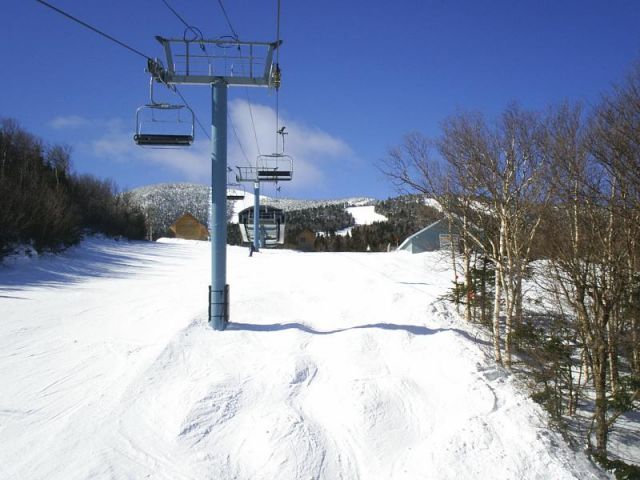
220,63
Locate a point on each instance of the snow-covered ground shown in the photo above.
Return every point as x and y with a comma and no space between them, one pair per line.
335,366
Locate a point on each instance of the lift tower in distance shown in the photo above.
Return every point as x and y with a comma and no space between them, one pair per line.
220,63
273,168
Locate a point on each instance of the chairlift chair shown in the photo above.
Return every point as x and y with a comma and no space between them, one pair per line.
276,167
235,191
161,124
163,131
246,174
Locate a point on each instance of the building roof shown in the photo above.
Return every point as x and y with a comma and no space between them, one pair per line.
409,239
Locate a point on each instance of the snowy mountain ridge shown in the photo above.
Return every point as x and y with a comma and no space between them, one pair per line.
193,194
164,203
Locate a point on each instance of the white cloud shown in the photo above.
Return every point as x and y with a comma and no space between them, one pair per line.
191,163
312,149
194,162
69,121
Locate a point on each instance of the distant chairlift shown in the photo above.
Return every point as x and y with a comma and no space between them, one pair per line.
235,191
276,167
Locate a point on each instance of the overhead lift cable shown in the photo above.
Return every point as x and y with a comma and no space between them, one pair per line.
253,124
224,12
198,33
94,29
150,60
188,27
277,71
204,130
176,14
235,134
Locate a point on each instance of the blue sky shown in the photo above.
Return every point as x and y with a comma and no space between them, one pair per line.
357,76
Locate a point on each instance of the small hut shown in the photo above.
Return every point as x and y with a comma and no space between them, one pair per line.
189,228
305,240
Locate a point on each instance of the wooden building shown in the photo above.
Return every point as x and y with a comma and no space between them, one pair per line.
188,227
305,240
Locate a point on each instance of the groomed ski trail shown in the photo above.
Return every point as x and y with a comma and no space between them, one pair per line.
335,366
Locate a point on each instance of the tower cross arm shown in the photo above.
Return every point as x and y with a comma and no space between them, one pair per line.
206,61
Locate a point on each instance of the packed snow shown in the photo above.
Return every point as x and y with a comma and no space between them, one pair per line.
334,366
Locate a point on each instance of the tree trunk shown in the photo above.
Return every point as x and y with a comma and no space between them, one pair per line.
496,315
456,290
483,292
635,336
518,299
574,392
570,405
599,368
499,277
468,283
508,328
634,312
612,343
507,285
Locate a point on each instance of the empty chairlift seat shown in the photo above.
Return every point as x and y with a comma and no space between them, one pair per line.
164,125
276,167
235,191
161,140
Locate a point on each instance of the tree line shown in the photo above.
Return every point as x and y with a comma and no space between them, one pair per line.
548,201
406,215
327,219
45,204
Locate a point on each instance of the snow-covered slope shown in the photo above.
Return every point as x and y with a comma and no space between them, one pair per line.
366,215
335,366
363,215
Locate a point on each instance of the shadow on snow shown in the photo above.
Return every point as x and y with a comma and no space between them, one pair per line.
93,259
412,329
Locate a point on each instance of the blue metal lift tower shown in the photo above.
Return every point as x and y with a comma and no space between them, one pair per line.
219,63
